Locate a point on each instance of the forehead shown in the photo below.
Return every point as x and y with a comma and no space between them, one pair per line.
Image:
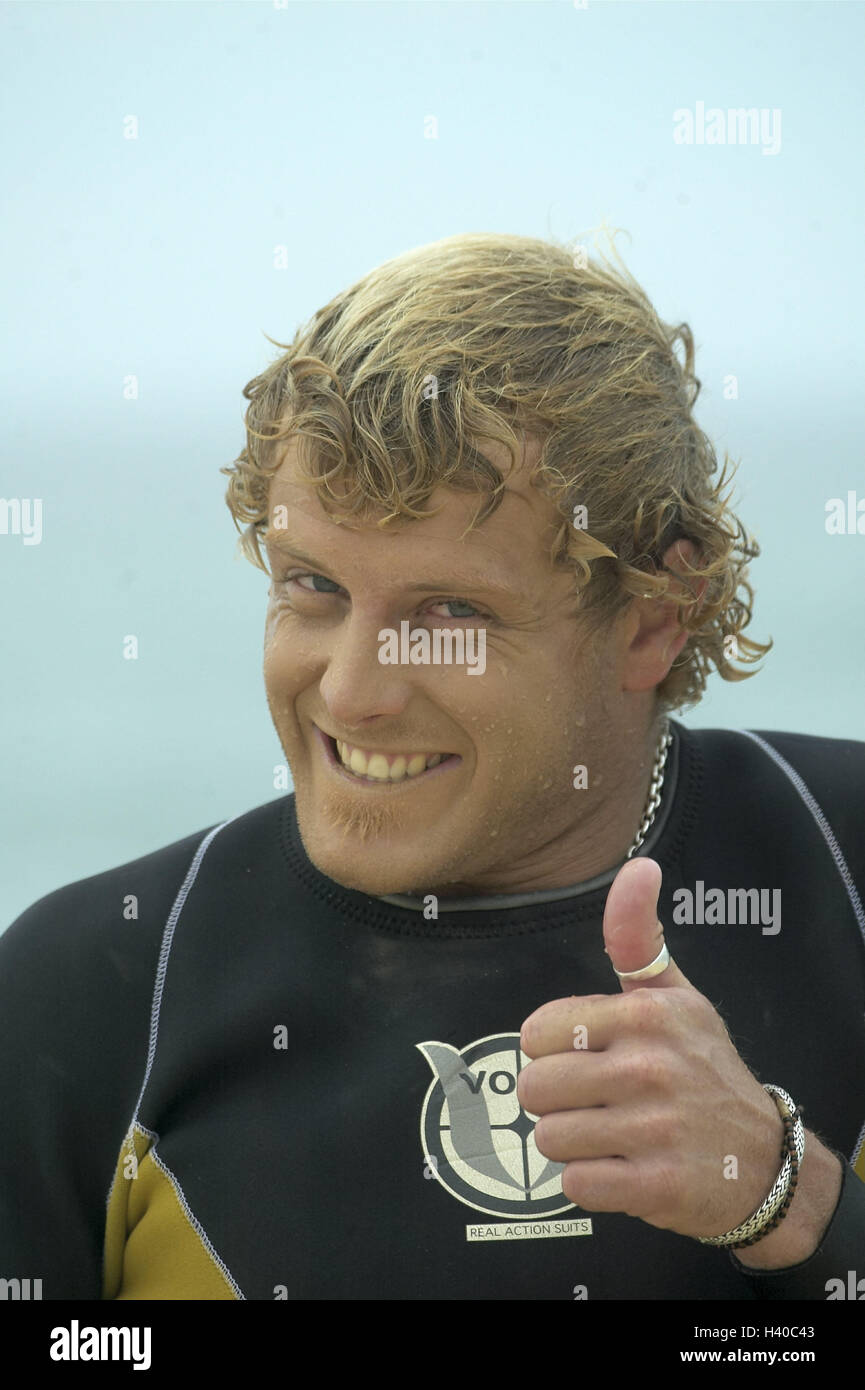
516,537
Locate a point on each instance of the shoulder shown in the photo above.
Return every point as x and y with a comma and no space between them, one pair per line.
78,971
834,765
101,912
110,924
817,778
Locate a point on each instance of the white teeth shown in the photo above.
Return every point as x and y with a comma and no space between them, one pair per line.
375,767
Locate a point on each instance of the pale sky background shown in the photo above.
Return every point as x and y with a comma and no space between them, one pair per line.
302,125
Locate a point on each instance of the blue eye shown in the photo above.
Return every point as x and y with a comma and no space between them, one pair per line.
334,588
320,584
460,603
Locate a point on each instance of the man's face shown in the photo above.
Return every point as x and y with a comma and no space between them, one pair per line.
500,813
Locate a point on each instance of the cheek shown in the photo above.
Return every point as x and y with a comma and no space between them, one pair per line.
287,662
273,620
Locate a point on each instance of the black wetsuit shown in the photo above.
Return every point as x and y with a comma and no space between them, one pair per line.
223,1075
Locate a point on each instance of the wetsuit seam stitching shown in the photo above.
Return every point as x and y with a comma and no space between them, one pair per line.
822,822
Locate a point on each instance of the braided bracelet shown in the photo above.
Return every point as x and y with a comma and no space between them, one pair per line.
777,1204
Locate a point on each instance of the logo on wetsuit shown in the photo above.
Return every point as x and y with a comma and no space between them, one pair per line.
477,1139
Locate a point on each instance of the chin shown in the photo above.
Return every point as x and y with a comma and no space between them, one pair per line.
371,867
369,849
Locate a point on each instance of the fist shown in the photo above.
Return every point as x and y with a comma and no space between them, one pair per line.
642,1094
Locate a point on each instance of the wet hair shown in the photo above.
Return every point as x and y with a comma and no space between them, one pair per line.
391,390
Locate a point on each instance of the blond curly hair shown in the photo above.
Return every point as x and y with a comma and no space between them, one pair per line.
391,388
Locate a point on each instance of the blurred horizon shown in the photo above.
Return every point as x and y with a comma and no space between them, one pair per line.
183,179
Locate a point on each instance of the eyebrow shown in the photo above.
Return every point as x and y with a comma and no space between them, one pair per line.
278,541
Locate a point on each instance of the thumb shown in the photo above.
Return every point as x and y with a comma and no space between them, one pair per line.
633,936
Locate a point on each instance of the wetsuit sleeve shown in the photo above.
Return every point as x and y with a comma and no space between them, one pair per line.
841,1250
835,774
76,985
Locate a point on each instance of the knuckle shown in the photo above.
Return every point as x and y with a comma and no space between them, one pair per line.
694,1005
574,1191
543,1138
534,1085
645,1069
648,1009
525,1087
664,1130
669,1188
657,1192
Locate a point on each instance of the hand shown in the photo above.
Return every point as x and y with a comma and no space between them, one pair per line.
652,1109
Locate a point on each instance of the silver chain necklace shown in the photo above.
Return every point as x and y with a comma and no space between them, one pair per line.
657,782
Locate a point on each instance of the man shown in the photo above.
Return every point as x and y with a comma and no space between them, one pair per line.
364,1041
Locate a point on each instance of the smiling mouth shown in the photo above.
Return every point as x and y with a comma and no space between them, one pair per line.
375,768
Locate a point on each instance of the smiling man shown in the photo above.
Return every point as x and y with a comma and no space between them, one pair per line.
440,1024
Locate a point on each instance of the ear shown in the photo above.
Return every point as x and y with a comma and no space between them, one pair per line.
657,635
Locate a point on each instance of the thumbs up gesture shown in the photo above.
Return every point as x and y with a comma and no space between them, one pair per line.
643,1096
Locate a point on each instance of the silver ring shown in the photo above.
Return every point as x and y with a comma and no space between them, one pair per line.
661,961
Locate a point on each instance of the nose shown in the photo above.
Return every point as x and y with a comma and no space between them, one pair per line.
356,687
